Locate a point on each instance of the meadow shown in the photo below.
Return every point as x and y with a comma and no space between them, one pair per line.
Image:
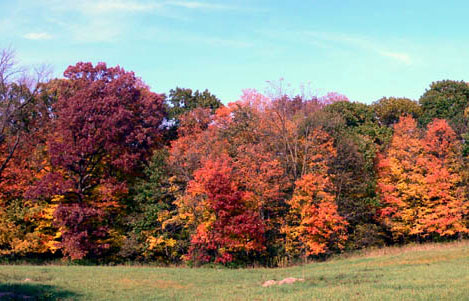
417,272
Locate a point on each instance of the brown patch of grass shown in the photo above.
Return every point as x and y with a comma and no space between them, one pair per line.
398,250
414,261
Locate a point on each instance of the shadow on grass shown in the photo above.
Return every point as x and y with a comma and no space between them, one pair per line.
34,291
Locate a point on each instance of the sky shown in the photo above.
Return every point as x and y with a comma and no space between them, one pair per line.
364,49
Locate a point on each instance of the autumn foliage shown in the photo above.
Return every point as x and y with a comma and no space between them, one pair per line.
420,184
228,224
96,166
315,227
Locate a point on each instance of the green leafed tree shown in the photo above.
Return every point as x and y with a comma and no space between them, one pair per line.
358,141
448,100
388,110
181,101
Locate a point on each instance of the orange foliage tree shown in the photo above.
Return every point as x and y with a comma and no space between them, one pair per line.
420,184
26,225
315,227
445,207
401,178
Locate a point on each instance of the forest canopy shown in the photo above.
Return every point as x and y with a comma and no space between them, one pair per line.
96,166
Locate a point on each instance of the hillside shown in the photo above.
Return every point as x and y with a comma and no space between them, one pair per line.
417,272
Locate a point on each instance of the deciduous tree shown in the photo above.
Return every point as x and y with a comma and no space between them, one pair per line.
420,182
106,123
229,228
314,225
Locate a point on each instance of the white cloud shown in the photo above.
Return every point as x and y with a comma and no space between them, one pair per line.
217,42
176,36
97,7
107,20
37,36
93,21
363,43
93,7
119,5
402,57
96,31
198,5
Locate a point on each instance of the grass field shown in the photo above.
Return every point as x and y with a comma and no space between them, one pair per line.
420,272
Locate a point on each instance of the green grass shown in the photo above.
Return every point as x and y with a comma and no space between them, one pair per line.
420,272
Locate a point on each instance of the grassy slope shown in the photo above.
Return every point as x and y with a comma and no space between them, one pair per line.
427,272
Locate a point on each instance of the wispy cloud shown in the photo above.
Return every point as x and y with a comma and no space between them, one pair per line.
96,31
118,5
367,44
219,42
401,57
199,5
111,20
91,7
37,36
166,35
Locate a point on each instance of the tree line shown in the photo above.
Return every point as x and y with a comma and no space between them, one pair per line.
96,166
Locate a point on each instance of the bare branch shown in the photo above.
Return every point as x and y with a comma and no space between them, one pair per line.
9,67
10,156
18,90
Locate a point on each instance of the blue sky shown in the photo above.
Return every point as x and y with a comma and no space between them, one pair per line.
363,49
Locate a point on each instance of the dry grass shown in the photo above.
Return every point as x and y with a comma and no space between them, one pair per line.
398,250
